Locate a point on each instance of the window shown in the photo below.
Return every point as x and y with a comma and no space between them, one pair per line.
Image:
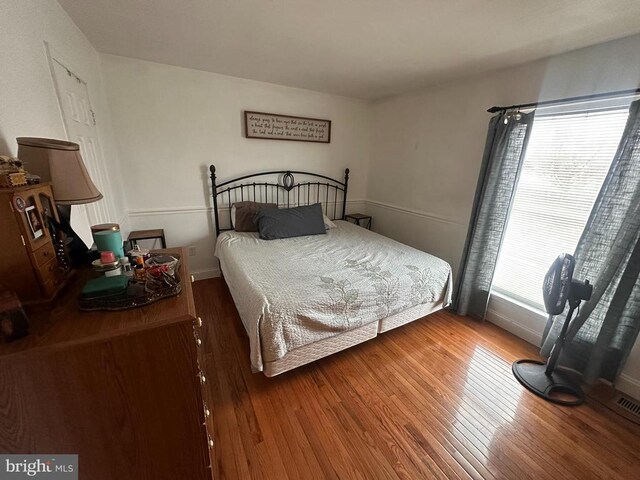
566,161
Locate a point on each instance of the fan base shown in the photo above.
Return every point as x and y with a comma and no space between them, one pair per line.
557,387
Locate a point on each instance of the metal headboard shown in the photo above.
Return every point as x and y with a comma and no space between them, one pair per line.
284,192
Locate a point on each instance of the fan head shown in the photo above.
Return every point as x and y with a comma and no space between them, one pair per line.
557,284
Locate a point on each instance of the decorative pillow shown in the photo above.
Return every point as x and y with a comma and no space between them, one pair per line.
245,214
290,222
328,224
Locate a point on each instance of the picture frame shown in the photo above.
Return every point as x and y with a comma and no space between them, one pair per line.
34,221
274,126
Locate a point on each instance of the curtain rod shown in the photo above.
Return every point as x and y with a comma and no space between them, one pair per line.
619,93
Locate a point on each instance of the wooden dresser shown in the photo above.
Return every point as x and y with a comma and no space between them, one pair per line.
120,389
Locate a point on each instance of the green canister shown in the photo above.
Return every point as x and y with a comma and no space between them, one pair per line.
107,237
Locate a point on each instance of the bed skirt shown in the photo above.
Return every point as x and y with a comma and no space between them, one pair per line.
328,346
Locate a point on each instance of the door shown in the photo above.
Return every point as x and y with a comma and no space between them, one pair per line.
80,125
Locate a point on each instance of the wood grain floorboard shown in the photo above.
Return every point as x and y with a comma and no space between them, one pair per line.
434,399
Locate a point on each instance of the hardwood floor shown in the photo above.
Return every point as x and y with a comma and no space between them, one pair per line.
432,399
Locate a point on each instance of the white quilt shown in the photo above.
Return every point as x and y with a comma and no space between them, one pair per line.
294,292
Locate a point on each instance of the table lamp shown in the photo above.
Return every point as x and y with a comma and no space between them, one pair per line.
60,162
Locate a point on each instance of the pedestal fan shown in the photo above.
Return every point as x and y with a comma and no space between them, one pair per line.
541,378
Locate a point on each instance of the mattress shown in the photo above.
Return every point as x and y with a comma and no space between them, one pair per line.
305,291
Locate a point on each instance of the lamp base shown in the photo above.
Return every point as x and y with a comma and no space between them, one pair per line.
75,246
557,387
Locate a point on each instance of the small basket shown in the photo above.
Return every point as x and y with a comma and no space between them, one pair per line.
124,301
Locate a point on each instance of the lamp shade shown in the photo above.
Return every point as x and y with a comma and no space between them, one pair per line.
60,163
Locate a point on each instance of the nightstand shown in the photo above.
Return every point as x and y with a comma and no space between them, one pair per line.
359,219
136,235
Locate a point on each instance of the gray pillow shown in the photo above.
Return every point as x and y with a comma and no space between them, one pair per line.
245,219
290,222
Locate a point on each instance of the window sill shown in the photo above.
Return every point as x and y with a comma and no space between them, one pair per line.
505,297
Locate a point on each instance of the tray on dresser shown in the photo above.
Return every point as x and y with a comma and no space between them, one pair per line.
126,301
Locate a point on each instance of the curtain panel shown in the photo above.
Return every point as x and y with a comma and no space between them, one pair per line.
504,151
608,255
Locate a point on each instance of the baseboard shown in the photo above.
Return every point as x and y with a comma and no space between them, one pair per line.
206,273
628,385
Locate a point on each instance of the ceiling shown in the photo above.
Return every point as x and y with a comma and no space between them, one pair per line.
365,49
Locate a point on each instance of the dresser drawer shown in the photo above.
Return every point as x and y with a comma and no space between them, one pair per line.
49,288
50,274
44,254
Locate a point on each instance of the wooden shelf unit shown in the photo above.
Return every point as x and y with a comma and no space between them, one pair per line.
29,265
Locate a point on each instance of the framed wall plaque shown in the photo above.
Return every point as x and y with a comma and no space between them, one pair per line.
271,126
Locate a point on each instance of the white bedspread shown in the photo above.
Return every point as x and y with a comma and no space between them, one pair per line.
293,292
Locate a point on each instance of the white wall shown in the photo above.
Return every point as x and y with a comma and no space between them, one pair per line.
28,102
427,149
172,122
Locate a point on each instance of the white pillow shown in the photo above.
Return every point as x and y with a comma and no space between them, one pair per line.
328,224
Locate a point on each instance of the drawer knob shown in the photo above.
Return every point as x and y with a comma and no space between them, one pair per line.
198,342
210,441
193,279
203,379
199,321
207,413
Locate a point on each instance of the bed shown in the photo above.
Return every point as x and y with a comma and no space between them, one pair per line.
301,299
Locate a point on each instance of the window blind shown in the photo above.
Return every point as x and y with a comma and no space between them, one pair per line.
567,159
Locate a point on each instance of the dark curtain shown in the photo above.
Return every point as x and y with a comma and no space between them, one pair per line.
608,255
501,164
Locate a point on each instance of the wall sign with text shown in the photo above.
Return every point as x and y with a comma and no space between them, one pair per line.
271,126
